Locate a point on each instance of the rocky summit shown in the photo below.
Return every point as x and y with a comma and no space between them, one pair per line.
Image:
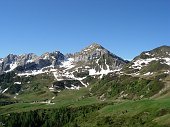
94,59
30,62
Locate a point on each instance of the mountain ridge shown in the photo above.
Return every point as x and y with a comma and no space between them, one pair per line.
51,58
147,63
72,71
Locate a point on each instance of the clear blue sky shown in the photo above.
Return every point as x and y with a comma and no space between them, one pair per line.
125,27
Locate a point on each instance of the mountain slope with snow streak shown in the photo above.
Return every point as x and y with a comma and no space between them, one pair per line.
150,62
93,60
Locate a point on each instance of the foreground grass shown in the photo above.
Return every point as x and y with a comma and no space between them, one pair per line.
148,112
66,98
118,113
153,113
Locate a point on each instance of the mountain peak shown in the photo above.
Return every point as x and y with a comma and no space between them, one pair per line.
95,45
96,52
151,62
162,51
163,48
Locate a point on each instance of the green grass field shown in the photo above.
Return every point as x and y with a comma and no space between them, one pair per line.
153,112
145,112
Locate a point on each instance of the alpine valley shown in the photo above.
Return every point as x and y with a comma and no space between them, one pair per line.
90,88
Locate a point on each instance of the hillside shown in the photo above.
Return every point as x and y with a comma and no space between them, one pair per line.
90,88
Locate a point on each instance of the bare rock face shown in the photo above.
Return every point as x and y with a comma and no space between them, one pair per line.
97,52
30,61
68,70
91,52
50,59
12,61
94,57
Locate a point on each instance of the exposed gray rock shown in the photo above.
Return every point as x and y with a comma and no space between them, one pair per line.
94,56
30,61
96,51
50,59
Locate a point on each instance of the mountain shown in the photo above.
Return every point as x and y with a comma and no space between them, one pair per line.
92,87
150,63
93,55
77,70
147,75
28,62
94,60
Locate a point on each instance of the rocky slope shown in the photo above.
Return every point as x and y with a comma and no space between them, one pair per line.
30,62
94,60
52,85
94,53
55,72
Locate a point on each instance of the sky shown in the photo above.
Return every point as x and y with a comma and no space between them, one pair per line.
124,27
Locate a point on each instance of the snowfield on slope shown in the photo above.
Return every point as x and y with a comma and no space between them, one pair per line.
68,63
138,64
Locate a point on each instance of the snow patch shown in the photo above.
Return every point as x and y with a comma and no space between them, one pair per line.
138,64
167,61
1,60
34,72
12,67
4,90
46,57
51,88
73,87
17,83
69,75
68,64
103,71
147,53
83,83
29,61
167,72
148,73
87,67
